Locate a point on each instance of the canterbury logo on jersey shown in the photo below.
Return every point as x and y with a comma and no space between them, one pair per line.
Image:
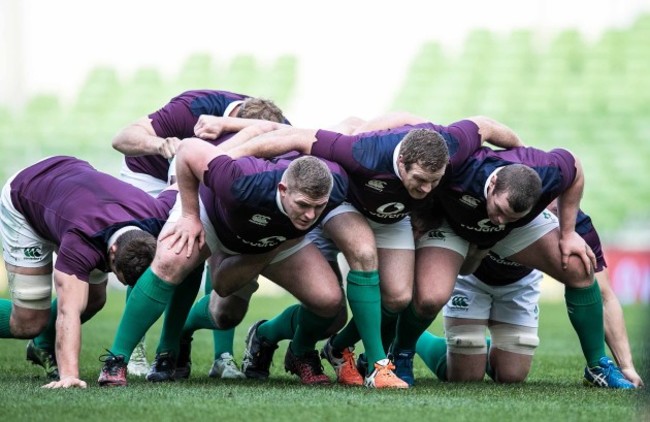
485,226
470,200
377,185
459,302
33,253
260,220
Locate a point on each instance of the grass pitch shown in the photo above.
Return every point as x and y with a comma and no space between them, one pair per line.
554,390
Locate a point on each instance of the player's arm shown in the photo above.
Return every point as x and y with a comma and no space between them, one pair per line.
389,121
568,205
473,259
277,142
139,138
615,331
496,133
211,127
72,297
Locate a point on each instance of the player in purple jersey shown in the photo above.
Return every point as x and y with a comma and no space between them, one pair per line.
149,143
283,201
503,296
495,202
96,224
149,146
389,170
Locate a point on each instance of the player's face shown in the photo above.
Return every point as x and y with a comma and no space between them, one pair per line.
418,182
303,210
499,210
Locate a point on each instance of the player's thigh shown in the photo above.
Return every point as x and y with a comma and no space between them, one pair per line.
435,274
544,255
354,238
396,274
308,276
174,268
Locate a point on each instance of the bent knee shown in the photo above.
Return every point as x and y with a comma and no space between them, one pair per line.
466,339
429,307
29,326
363,258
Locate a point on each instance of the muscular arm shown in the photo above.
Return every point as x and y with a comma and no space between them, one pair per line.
72,295
277,142
211,127
496,133
389,121
615,331
568,204
139,138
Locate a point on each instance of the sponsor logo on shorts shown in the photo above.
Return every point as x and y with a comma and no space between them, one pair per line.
546,215
459,302
33,253
502,261
260,220
436,234
470,200
390,210
377,185
267,242
485,226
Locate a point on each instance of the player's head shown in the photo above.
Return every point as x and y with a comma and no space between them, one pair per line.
131,254
423,158
512,193
304,190
261,109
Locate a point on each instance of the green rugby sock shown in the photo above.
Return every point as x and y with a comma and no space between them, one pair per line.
282,327
223,341
410,327
364,298
177,311
309,331
585,308
433,351
388,327
199,317
146,304
5,317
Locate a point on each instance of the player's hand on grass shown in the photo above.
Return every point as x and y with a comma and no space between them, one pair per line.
185,234
573,244
67,382
632,376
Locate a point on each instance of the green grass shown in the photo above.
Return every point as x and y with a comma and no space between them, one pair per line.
553,391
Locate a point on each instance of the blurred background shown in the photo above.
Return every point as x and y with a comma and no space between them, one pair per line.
572,74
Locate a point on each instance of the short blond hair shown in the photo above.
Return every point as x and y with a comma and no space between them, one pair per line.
310,176
261,109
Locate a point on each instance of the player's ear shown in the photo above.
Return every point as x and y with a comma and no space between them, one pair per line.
282,187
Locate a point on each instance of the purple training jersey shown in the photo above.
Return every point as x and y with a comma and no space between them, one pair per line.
370,159
497,271
177,119
462,195
71,204
242,201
